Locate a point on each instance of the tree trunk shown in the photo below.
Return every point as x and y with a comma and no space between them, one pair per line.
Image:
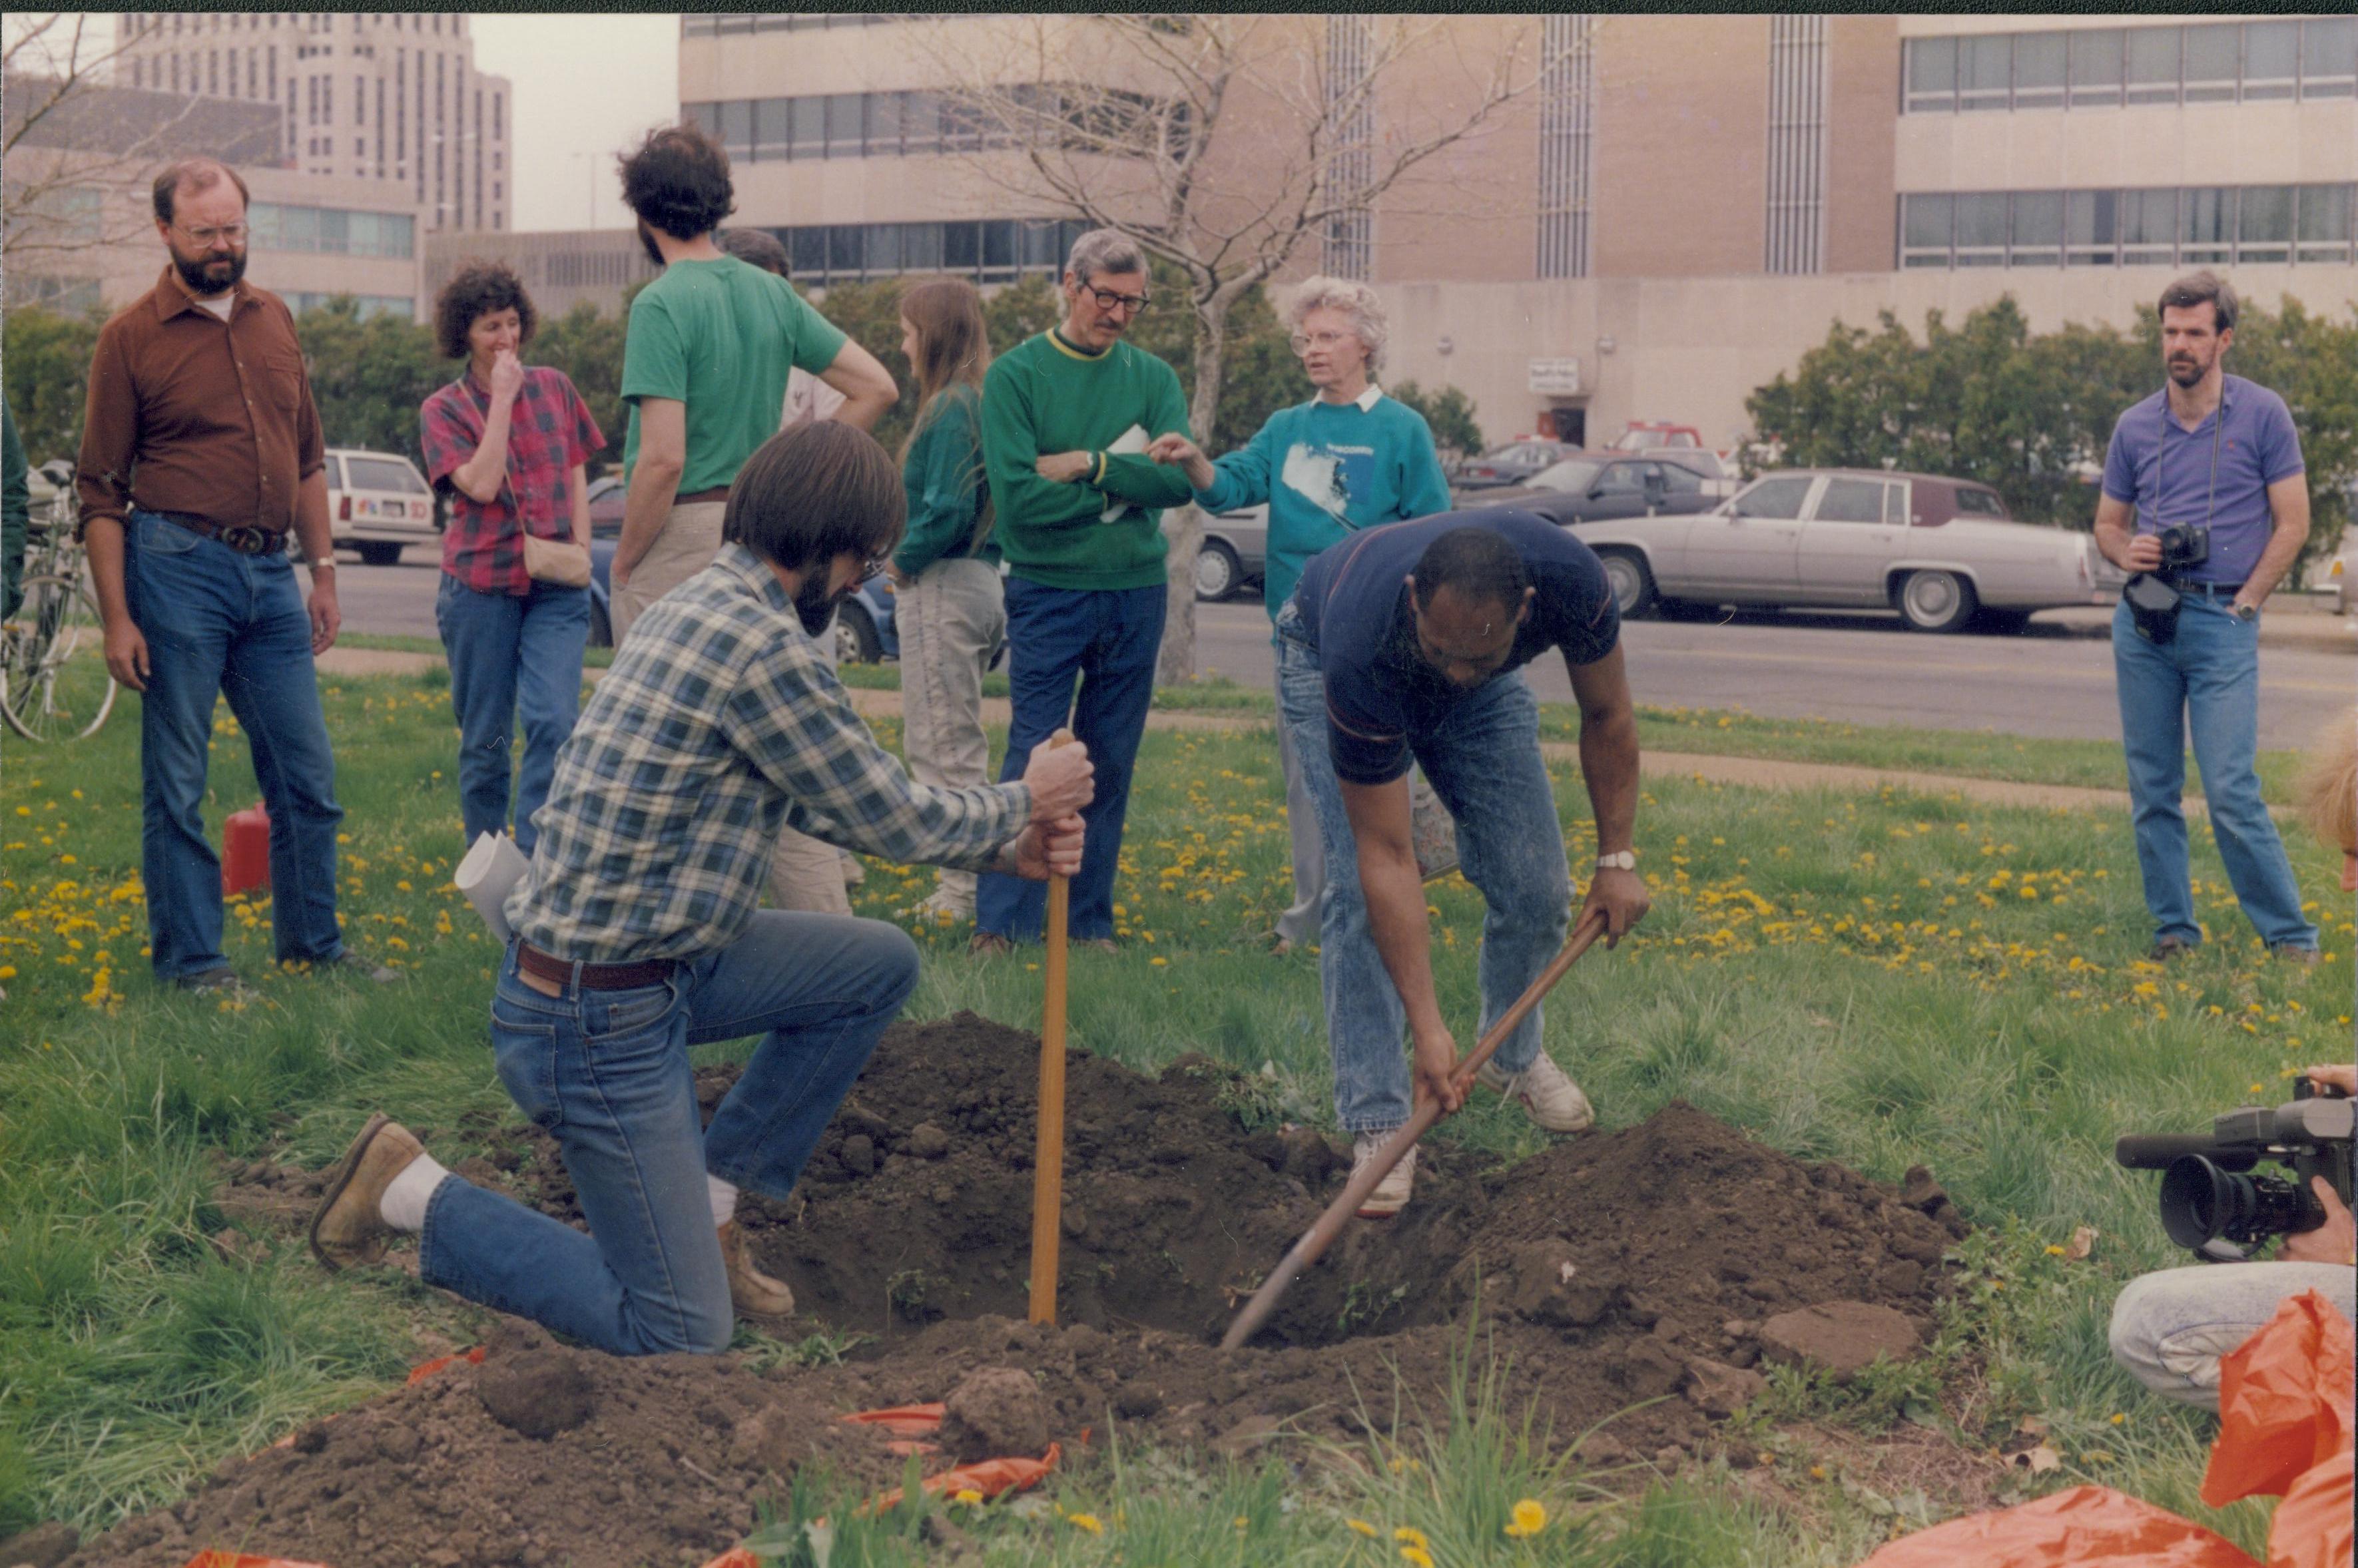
1184,525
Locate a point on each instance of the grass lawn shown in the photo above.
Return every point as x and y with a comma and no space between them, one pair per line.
1885,978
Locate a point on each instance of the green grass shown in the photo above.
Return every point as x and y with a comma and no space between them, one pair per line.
594,658
1854,976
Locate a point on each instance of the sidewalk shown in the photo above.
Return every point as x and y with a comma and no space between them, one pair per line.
1750,773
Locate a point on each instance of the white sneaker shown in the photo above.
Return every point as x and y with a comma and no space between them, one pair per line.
1390,1194
1548,1095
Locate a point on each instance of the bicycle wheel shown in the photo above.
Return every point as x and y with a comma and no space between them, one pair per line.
54,684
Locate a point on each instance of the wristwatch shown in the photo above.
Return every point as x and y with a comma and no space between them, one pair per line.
2242,611
1619,860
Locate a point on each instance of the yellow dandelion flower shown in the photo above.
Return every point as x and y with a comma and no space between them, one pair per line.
1418,1555
1086,1521
1529,1518
967,1495
1409,1535
1362,1527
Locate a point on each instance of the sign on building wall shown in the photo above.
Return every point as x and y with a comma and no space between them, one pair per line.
1556,378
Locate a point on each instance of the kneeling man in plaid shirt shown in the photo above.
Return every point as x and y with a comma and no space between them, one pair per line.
637,934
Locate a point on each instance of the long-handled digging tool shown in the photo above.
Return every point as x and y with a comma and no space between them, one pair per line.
1321,1236
1048,1156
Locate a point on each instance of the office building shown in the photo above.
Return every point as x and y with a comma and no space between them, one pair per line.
391,96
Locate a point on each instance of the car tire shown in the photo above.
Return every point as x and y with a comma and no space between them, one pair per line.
377,553
1217,572
601,626
1631,580
1936,601
856,642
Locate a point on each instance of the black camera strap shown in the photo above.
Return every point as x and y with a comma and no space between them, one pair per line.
2218,429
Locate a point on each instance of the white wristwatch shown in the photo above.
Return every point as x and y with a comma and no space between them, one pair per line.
1619,860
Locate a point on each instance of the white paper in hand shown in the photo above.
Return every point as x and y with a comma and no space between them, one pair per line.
1131,442
491,868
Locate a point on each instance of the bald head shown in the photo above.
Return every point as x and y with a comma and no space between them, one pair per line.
192,176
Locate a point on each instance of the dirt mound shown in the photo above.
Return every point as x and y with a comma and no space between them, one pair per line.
1608,1270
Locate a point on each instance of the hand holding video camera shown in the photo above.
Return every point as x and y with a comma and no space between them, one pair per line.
2212,1204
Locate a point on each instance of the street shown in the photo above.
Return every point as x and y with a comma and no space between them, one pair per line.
2055,680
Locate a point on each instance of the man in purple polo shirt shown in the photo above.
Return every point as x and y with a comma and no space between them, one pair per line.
2217,454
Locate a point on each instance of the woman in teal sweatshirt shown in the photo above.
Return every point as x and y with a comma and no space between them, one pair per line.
949,610
1349,459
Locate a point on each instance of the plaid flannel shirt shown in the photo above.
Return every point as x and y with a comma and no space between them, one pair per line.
719,721
550,433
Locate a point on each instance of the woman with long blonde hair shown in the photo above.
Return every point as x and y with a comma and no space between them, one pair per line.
951,613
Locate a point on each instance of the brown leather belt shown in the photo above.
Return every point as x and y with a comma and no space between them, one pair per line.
245,538
594,976
719,493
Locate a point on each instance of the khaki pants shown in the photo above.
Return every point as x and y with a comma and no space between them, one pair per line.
950,617
805,874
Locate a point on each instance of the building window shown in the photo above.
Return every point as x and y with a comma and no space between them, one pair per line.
332,230
2105,67
1351,56
398,306
994,251
1797,144
2255,226
1567,82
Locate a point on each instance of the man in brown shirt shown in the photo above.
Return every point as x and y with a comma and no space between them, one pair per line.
201,456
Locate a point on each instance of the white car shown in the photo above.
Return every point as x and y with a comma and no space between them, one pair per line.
377,503
1941,552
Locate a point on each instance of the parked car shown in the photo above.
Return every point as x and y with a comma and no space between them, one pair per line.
606,506
1234,555
1648,435
1595,489
377,503
1513,463
1941,552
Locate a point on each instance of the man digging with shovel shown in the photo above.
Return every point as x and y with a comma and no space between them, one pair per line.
1406,641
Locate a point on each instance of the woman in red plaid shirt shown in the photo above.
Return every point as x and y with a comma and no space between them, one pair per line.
505,444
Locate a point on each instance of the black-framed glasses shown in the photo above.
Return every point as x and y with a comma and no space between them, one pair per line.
1108,300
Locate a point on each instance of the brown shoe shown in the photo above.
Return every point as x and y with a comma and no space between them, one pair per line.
751,1292
989,944
348,1226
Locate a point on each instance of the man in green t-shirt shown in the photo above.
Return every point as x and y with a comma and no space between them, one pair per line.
710,345
1066,418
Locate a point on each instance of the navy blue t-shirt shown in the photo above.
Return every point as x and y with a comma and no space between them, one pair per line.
1354,610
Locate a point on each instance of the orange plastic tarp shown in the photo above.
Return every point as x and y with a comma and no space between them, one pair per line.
240,1560
902,1421
2285,1429
989,1477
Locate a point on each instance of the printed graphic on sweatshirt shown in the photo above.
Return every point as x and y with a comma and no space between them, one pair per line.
1329,477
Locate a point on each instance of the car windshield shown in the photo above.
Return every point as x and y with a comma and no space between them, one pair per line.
1515,454
1572,477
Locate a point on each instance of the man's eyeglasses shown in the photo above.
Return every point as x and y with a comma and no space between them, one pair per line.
1108,300
1304,343
234,233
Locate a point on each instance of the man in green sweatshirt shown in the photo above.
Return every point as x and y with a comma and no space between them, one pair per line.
1067,418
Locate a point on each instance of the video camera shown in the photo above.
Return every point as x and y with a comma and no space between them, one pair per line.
2213,1207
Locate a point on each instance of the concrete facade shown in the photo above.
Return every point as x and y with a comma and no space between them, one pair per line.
382,95
84,237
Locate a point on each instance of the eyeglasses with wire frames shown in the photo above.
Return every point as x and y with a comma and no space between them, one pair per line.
1304,342
208,237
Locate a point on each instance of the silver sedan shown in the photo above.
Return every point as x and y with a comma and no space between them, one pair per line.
1941,552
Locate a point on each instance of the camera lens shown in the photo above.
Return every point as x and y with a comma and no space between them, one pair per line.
2201,1203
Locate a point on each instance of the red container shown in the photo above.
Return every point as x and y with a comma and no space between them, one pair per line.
245,852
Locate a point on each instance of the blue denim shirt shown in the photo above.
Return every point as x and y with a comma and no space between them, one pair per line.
2165,471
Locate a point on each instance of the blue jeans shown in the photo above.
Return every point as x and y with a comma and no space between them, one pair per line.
2208,680
606,1074
504,649
1108,638
2169,1329
221,624
1484,762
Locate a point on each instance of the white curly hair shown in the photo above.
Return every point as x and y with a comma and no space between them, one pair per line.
1354,299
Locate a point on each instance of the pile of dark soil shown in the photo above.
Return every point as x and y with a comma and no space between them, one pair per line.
1659,1263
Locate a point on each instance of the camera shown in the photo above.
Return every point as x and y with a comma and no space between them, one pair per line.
2184,544
2213,1204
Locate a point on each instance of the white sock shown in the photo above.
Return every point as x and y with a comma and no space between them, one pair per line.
406,1195
724,1199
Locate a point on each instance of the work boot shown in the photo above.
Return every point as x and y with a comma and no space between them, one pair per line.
1390,1194
223,983
350,963
348,1226
937,909
2293,953
2165,948
989,944
751,1292
1548,1095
